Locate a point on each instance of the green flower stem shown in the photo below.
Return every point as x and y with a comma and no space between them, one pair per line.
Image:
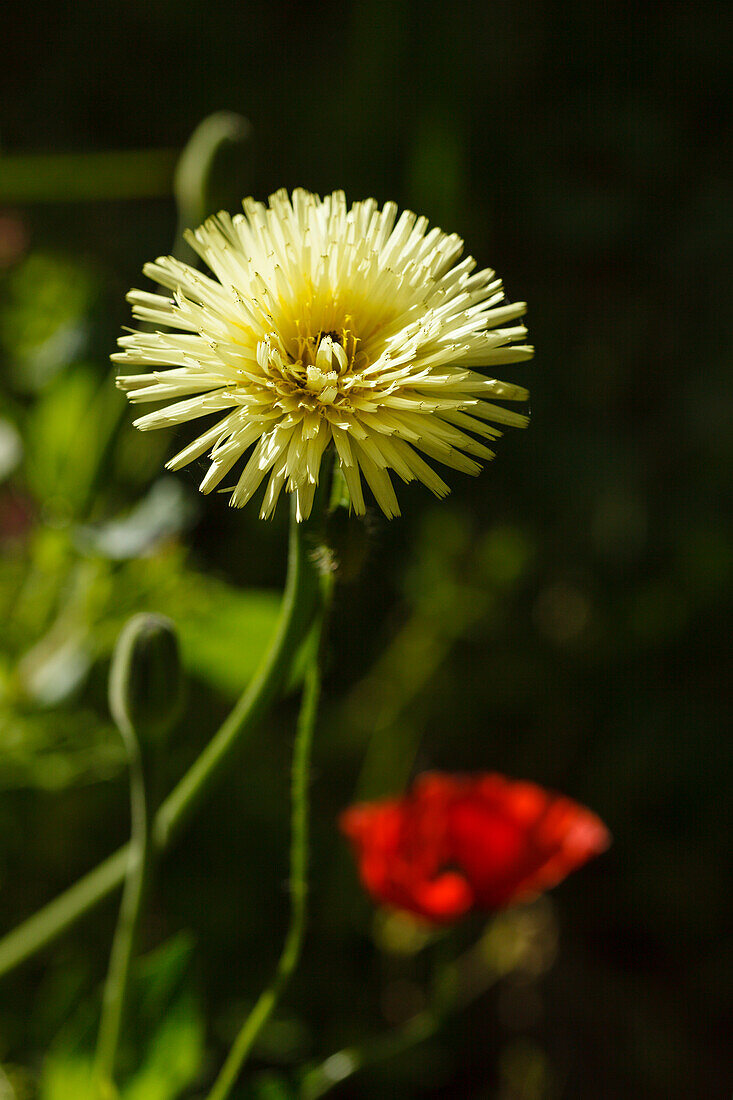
457,985
298,880
116,986
296,616
345,1063
196,175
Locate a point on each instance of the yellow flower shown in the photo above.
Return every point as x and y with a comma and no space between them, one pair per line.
322,324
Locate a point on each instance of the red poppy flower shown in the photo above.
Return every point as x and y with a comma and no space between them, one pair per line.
454,843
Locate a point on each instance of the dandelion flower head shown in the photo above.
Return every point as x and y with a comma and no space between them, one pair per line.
325,324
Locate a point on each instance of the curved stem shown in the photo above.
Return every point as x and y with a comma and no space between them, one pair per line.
115,989
459,984
196,171
298,880
296,616
345,1063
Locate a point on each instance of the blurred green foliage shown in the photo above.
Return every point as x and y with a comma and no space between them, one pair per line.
565,617
45,307
164,1040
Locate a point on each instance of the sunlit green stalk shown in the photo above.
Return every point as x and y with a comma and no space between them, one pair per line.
194,179
118,976
296,616
298,878
345,1063
457,985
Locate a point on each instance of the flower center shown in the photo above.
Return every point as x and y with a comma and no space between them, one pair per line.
322,376
319,371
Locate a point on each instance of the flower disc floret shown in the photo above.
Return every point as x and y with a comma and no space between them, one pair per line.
323,324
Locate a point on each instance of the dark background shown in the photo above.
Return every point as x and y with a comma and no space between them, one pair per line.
562,618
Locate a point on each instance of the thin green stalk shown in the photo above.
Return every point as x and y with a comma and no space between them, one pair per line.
296,616
298,882
457,985
345,1063
199,171
115,990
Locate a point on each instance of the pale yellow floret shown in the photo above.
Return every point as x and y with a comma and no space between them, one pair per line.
322,324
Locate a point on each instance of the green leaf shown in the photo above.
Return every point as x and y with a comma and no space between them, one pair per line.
223,630
67,612
226,632
271,1086
67,1076
43,317
163,1039
67,436
53,750
174,1056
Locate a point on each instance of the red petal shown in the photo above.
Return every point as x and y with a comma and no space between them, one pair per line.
457,841
516,839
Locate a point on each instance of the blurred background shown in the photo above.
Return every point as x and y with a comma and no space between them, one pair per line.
562,618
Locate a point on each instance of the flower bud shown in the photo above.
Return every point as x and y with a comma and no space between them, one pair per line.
145,677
